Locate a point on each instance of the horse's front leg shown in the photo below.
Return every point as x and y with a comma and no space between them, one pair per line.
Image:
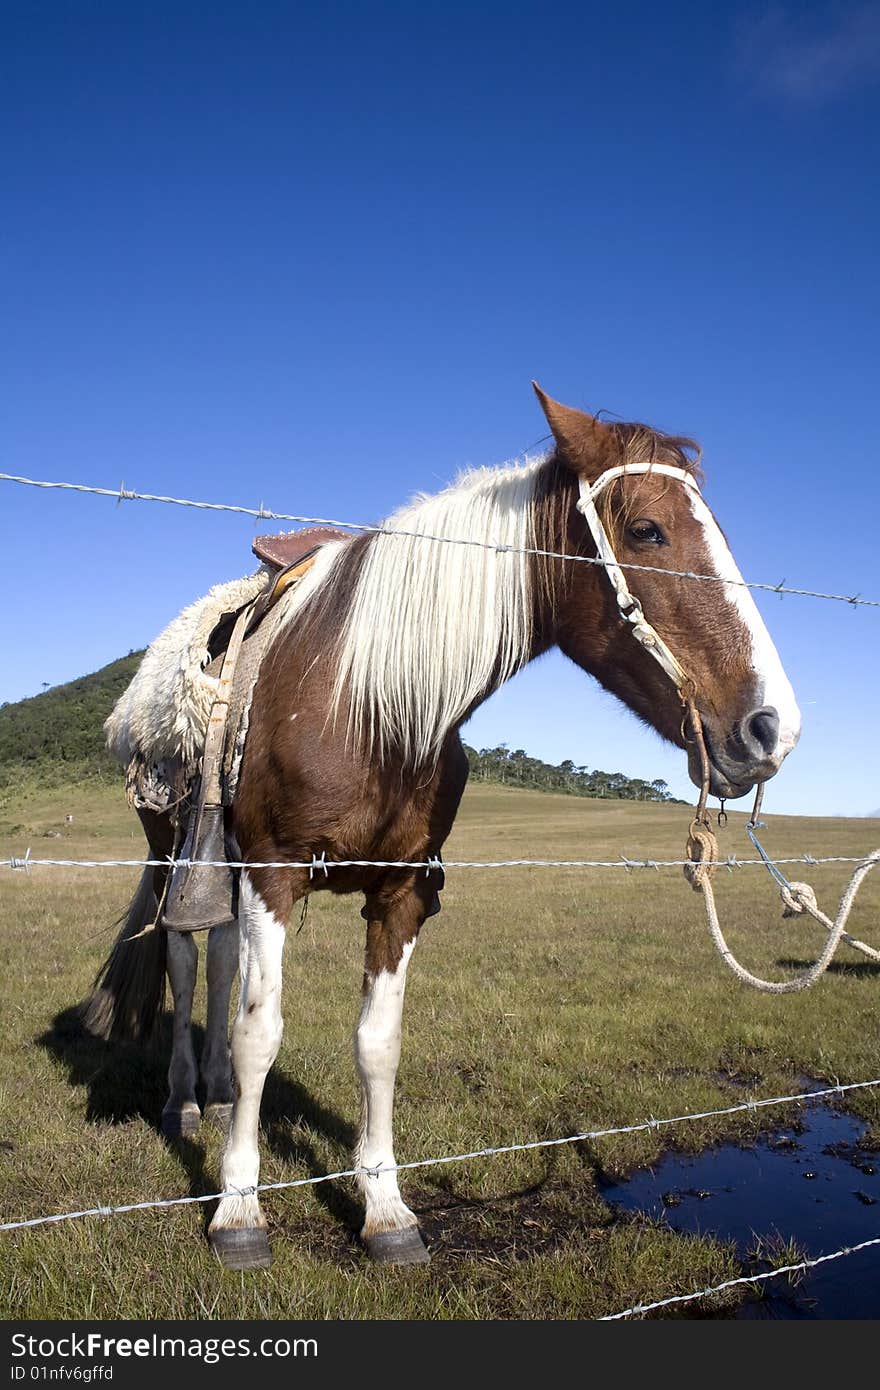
390,1231
238,1230
181,1115
222,963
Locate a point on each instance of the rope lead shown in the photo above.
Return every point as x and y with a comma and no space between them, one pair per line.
798,898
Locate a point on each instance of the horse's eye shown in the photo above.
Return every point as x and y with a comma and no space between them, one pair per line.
647,532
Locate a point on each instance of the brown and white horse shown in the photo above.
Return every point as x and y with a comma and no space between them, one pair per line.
353,749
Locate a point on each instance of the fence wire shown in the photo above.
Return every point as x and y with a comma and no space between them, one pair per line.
319,864
586,1136
639,1309
123,494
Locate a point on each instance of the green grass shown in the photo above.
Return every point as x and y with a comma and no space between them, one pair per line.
541,1002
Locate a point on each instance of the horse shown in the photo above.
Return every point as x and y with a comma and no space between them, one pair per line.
384,649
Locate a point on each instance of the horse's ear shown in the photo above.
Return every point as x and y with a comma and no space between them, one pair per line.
583,442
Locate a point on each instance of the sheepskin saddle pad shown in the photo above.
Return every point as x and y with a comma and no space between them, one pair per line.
157,728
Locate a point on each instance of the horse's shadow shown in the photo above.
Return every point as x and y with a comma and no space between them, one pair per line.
285,1102
125,1081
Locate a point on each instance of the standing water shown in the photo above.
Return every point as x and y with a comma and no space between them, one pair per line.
809,1184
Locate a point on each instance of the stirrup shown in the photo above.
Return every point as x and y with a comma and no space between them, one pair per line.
200,896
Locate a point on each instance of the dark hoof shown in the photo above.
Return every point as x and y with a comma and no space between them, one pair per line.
242,1249
219,1115
404,1247
180,1124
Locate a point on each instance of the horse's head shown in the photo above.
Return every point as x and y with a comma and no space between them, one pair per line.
653,515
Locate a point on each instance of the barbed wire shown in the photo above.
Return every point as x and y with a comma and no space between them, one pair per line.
123,494
752,1105
640,1308
321,864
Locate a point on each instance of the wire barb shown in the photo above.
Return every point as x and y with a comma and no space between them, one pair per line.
315,865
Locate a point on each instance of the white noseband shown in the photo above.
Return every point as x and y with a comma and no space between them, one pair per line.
629,605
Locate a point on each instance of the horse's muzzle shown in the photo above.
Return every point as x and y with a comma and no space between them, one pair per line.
752,752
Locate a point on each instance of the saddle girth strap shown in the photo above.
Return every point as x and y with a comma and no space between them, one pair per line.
211,792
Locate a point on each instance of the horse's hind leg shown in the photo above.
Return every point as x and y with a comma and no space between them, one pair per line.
181,1115
390,1231
222,963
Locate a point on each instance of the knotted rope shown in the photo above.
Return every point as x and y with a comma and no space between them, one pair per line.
798,898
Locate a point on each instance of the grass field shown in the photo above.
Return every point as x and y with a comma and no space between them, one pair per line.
541,1003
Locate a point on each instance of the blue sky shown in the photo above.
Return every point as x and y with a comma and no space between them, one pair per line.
312,255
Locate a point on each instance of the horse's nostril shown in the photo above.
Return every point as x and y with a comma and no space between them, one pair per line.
762,728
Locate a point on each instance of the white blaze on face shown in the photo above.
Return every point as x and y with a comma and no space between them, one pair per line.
772,686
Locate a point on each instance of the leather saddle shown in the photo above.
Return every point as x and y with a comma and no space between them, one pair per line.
288,556
294,547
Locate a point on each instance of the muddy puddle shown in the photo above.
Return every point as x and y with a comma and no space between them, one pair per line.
810,1183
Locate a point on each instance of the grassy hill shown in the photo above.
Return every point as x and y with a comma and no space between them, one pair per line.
59,734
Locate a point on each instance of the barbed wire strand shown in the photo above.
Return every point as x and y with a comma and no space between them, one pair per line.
123,494
321,865
651,1124
640,1308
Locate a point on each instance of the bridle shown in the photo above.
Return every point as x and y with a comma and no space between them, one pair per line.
630,607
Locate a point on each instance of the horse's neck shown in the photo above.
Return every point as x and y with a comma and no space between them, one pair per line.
551,576
434,621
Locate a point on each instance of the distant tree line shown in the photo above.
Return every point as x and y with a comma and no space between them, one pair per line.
519,769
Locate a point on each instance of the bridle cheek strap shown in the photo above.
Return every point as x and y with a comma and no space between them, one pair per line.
629,605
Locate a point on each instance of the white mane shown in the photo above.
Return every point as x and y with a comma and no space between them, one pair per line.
434,627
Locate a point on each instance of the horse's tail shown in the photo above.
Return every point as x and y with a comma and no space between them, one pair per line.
129,989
